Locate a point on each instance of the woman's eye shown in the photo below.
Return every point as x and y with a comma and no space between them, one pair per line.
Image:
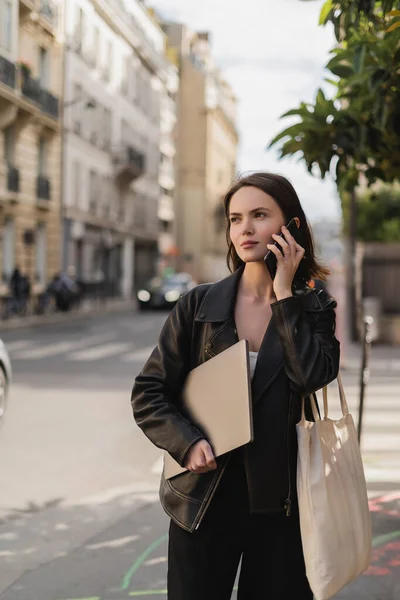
260,214
234,219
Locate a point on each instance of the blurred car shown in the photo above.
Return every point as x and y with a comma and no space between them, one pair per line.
5,379
164,292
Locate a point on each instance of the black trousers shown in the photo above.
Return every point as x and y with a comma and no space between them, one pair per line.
203,565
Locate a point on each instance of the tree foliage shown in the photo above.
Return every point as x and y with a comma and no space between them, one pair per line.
352,16
378,213
358,129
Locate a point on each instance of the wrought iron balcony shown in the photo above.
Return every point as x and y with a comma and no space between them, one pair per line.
12,179
31,88
49,103
129,164
42,188
8,72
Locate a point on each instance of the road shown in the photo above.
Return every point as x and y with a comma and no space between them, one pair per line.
79,512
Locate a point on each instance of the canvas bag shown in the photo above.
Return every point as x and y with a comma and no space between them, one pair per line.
335,521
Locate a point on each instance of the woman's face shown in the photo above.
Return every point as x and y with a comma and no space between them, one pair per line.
254,216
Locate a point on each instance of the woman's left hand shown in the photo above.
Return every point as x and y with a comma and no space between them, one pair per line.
288,263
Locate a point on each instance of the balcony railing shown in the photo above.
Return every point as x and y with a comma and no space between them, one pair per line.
31,89
129,163
12,179
42,188
49,103
8,72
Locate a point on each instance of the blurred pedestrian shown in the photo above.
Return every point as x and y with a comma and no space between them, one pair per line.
20,289
65,289
242,505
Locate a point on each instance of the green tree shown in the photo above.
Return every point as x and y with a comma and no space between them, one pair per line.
378,213
357,131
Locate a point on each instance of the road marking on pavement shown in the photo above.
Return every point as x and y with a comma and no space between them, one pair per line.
18,345
149,593
139,355
99,352
39,352
126,581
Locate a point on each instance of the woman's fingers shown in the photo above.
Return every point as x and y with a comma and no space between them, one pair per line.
282,243
209,457
276,251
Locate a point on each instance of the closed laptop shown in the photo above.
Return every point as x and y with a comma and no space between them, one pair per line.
217,397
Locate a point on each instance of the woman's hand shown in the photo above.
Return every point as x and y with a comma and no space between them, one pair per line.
288,263
201,458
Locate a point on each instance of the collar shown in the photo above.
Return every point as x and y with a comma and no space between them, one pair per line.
218,303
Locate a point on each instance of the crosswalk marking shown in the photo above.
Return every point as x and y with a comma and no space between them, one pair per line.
99,352
39,352
139,355
18,345
45,351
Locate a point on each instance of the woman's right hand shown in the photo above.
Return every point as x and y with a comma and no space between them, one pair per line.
201,458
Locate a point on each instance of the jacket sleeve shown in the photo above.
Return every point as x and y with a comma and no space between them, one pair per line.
157,390
306,327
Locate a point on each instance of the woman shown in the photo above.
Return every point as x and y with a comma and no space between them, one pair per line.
242,505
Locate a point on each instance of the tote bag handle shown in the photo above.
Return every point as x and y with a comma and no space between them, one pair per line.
343,402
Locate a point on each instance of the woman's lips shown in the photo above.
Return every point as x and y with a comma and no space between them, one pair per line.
249,244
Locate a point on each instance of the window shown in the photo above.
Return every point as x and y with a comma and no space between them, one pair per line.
125,75
107,129
8,249
79,29
93,191
42,158
9,145
109,61
96,47
41,253
44,68
75,201
78,93
6,24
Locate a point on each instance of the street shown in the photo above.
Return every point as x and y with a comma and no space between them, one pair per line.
79,512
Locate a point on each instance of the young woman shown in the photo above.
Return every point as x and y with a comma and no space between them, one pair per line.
242,505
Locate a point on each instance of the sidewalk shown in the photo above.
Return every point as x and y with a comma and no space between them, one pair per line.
383,357
88,308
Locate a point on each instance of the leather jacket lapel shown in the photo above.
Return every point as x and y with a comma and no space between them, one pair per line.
269,362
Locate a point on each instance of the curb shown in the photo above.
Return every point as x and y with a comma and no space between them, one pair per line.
59,317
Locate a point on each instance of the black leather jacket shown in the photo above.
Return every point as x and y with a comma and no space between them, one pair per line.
298,355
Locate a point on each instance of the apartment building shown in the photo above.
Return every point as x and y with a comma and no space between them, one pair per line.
206,142
31,65
166,179
115,74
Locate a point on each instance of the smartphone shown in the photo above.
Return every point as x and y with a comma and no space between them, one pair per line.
270,258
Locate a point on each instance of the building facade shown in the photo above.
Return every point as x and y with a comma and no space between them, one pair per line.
115,73
206,156
167,177
31,66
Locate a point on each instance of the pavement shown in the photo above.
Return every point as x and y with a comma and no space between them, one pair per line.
79,511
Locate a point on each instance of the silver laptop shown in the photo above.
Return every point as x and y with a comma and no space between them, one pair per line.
217,395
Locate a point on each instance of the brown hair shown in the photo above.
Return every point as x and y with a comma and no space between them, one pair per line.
285,196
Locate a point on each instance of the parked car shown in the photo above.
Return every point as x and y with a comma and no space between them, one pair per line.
164,292
5,379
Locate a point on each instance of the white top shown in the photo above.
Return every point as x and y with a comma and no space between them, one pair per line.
253,360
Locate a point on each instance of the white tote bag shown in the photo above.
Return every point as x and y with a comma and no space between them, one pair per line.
335,521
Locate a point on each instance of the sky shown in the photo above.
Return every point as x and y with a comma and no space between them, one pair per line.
273,53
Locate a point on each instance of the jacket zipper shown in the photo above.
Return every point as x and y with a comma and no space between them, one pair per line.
288,501
204,510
